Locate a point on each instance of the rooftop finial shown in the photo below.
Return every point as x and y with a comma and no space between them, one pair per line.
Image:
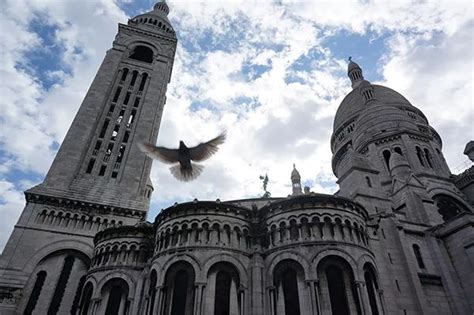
350,58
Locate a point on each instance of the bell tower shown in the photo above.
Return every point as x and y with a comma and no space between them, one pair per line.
99,178
98,160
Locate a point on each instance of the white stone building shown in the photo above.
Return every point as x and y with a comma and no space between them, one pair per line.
397,238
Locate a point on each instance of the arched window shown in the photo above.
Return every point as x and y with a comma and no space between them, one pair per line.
124,74
179,282
61,285
86,299
372,288
226,280
285,277
338,286
142,53
448,207
152,292
142,84
222,299
134,78
428,158
337,290
419,259
117,291
77,296
419,154
40,278
386,156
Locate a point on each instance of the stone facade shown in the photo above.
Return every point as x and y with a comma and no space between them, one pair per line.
396,239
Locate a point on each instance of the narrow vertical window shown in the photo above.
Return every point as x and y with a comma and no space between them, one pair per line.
114,174
134,78
337,290
126,136
428,157
90,166
132,117
120,116
419,259
152,292
104,128
117,94
137,101
367,178
86,299
127,98
142,83
77,296
30,307
222,298
111,108
97,146
120,154
102,170
371,286
115,133
290,292
419,154
180,293
386,156
61,286
124,74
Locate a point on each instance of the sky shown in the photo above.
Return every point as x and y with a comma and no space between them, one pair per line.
271,73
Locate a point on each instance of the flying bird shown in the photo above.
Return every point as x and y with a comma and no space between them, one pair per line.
185,170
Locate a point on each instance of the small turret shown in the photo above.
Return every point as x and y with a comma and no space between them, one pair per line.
354,72
296,181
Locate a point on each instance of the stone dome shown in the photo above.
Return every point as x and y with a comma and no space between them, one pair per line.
353,104
379,120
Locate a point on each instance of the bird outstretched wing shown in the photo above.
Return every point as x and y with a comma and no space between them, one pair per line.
204,150
163,154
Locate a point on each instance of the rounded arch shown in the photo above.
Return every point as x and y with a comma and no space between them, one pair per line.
239,266
176,258
332,251
123,275
449,206
292,256
131,43
179,286
79,246
362,262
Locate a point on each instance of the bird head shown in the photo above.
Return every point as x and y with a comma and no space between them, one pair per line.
182,145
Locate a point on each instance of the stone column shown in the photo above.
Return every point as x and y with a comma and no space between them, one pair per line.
381,301
242,307
158,300
210,294
280,304
198,292
271,298
362,296
233,300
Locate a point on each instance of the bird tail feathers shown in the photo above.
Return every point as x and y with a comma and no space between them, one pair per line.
185,174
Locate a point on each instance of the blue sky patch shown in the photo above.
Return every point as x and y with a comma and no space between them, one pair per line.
47,58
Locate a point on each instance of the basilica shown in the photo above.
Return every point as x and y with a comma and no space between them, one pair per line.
397,238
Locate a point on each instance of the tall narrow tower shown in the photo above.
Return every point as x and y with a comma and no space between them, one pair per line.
98,178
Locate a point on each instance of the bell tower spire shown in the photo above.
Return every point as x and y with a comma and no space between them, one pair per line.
296,181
